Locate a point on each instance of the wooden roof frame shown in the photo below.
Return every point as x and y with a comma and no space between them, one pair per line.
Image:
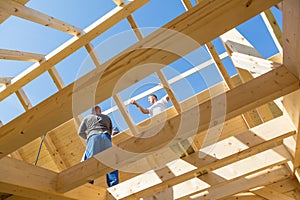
271,81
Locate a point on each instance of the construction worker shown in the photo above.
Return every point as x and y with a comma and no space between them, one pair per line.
156,107
96,128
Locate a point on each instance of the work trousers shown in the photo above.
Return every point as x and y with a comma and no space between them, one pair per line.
95,144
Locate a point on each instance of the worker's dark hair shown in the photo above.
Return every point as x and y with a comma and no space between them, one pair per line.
94,109
153,95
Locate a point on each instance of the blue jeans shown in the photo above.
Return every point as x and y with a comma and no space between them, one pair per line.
95,144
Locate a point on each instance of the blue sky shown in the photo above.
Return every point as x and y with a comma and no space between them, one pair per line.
22,35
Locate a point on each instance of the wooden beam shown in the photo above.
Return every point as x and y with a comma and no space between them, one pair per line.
26,180
95,29
93,54
4,16
14,197
118,2
23,99
255,65
19,55
249,63
16,155
297,174
187,4
219,64
234,171
210,47
291,58
51,110
245,183
54,153
135,27
273,28
217,158
143,146
56,78
169,91
271,194
290,35
13,8
133,129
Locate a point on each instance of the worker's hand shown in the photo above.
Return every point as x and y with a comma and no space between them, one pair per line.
133,102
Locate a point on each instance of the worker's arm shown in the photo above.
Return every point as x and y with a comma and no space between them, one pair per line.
145,111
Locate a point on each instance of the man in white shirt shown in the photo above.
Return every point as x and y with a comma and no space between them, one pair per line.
157,105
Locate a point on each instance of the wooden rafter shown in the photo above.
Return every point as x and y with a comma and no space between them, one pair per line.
291,59
101,25
255,94
135,27
217,158
21,56
110,77
4,16
245,183
268,193
133,129
200,35
273,28
169,90
13,8
56,78
23,99
26,180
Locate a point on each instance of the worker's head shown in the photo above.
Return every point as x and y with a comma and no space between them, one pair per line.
152,98
96,110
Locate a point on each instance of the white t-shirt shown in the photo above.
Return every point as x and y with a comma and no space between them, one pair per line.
158,106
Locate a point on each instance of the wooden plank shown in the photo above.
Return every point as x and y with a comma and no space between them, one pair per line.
58,108
132,145
245,183
118,2
13,8
56,78
292,109
217,158
232,172
134,130
4,16
218,63
291,27
271,194
20,55
135,27
255,65
14,197
94,56
54,153
244,196
187,4
249,64
16,155
69,47
290,35
23,99
26,180
276,58
4,81
273,28
169,90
